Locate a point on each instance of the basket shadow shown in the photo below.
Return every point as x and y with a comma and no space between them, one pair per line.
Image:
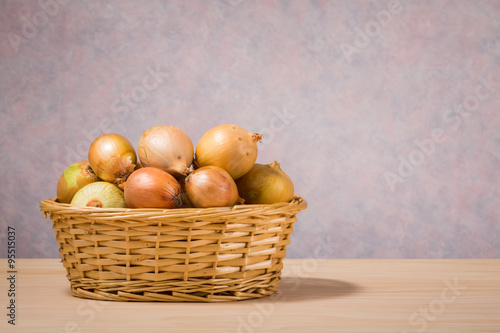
302,289
293,288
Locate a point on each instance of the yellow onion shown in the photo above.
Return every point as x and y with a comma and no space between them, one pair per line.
75,177
150,187
167,148
211,186
230,147
265,184
99,194
112,157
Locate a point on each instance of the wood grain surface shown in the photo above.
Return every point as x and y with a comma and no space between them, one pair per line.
316,295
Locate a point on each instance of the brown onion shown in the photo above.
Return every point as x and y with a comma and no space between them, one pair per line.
265,184
112,157
167,148
150,187
100,195
74,178
211,186
230,147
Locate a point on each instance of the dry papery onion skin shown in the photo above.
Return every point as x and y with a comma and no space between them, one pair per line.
265,184
100,195
150,187
168,148
112,157
73,179
211,186
230,147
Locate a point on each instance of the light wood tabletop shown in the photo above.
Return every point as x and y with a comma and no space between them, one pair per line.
315,295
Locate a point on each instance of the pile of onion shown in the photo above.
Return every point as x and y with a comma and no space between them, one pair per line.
230,147
150,187
265,184
161,174
112,157
211,186
167,148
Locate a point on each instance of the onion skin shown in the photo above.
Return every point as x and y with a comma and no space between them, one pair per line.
211,186
150,187
265,184
167,148
74,178
101,195
230,147
112,157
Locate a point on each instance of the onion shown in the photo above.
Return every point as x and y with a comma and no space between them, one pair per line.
99,194
167,148
211,186
75,177
112,158
230,147
265,184
150,187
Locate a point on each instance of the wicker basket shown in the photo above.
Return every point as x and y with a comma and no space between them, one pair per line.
197,255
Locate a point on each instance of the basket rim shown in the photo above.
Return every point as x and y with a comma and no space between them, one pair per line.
51,205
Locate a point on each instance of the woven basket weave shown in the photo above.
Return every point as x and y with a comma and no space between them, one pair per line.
198,255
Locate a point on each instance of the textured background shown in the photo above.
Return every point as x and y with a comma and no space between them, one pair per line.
384,113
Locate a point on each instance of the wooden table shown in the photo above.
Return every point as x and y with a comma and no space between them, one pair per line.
316,295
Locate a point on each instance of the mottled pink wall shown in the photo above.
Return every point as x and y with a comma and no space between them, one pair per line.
386,114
